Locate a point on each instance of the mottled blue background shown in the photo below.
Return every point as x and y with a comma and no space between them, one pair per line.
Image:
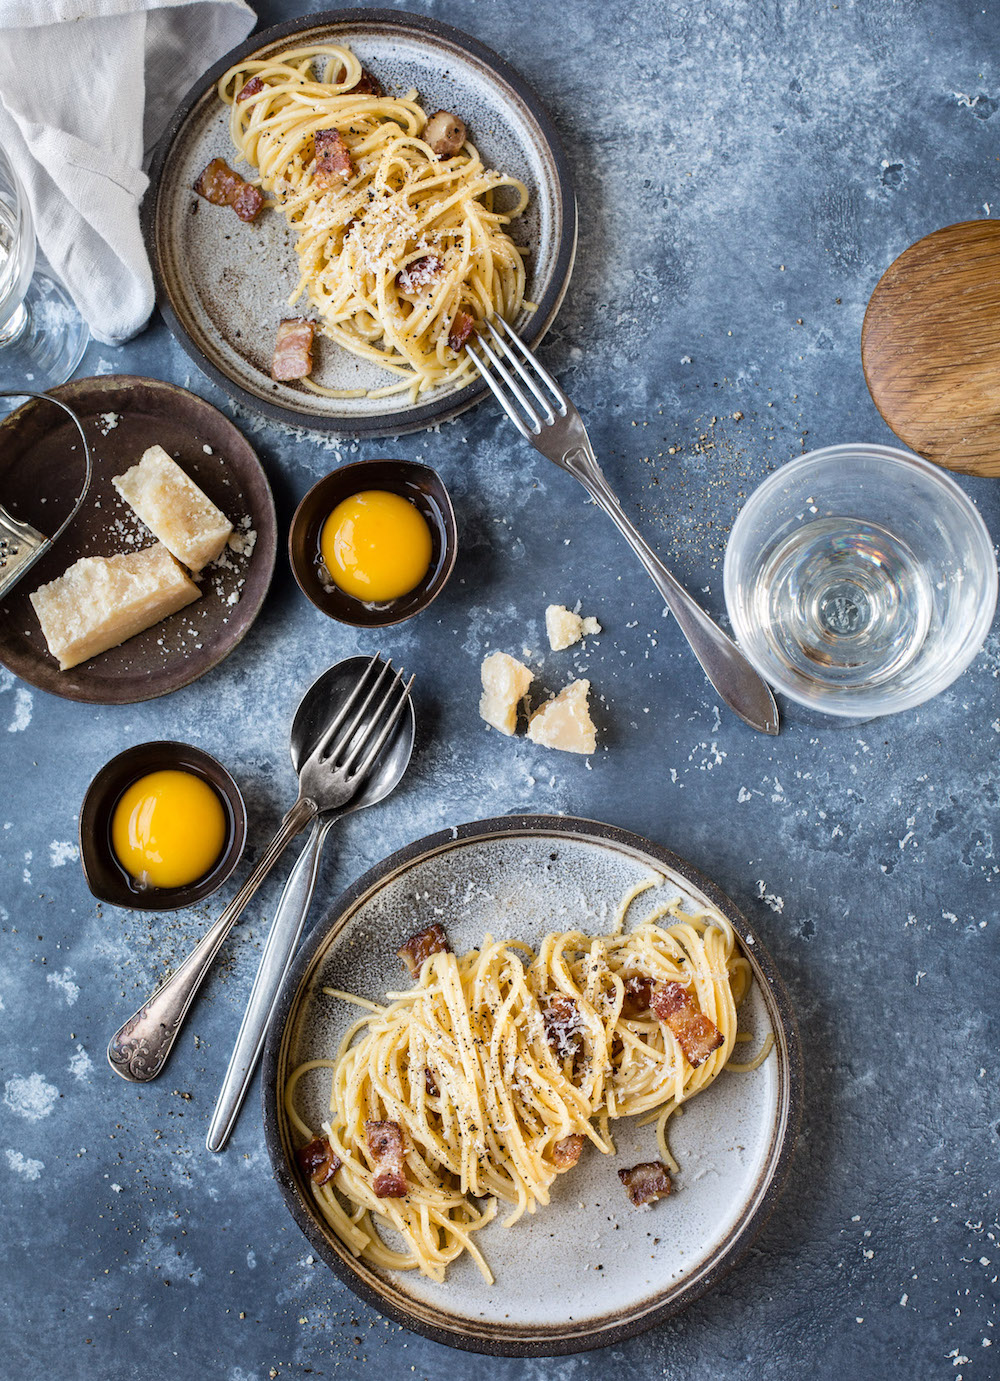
745,172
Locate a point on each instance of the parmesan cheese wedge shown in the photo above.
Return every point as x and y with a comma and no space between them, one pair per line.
566,628
102,601
505,684
565,722
174,509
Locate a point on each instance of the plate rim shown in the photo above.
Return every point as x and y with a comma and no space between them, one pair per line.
267,549
449,405
545,1340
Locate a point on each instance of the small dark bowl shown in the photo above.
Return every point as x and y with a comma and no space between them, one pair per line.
105,876
418,483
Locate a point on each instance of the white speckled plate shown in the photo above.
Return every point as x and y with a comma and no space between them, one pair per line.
589,1269
223,286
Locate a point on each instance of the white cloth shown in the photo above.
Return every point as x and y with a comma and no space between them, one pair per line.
84,86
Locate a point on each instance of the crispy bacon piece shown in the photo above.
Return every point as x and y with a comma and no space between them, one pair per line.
430,1083
419,272
445,133
645,1182
638,989
567,1151
333,158
293,350
461,330
696,1035
385,1142
249,89
366,85
562,1024
218,184
430,940
318,1160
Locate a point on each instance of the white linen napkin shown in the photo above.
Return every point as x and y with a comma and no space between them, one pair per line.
85,85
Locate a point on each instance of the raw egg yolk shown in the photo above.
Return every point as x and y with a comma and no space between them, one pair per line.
168,829
376,546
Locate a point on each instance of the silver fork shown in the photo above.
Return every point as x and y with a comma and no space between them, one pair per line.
549,421
345,753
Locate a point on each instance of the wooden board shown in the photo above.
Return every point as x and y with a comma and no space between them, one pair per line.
930,347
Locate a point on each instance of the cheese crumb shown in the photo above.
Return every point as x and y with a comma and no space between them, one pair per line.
565,722
505,684
565,628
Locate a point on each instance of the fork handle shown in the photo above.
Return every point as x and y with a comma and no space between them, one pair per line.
276,960
138,1050
740,686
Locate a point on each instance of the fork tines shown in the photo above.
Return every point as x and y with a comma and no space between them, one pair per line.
353,750
528,420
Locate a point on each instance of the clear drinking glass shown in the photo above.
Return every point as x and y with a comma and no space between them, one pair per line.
860,580
42,335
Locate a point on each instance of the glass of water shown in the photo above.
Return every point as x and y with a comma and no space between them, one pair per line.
860,580
42,335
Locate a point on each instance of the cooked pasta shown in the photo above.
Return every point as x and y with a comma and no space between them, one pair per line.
498,1065
399,247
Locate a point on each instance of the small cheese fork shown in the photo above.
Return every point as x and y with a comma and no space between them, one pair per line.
549,421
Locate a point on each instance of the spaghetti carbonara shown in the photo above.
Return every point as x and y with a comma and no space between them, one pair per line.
400,248
498,1066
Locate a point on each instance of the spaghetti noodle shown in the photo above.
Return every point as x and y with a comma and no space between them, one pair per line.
398,248
500,1064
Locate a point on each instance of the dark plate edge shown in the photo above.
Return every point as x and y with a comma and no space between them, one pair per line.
66,393
745,1231
431,414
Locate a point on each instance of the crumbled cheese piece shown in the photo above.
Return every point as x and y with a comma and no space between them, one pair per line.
566,628
565,722
102,601
505,684
174,509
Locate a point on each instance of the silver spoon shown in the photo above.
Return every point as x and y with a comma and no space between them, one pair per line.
289,919
354,732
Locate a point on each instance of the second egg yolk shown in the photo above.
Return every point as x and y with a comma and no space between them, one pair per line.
376,546
168,829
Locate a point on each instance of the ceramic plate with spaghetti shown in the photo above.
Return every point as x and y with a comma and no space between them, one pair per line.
587,1269
223,285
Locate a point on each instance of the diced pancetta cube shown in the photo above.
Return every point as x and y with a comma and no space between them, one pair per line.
646,1182
218,184
293,350
385,1144
696,1035
431,940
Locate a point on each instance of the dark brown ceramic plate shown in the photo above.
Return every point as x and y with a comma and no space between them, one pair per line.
105,877
223,286
40,472
587,1270
418,483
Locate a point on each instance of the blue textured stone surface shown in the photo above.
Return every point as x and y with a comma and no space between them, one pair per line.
745,172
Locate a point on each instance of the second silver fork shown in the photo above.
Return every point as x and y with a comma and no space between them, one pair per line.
547,419
346,747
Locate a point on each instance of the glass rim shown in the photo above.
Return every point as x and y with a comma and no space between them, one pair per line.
974,637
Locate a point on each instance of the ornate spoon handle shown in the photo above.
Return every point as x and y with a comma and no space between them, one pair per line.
139,1049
